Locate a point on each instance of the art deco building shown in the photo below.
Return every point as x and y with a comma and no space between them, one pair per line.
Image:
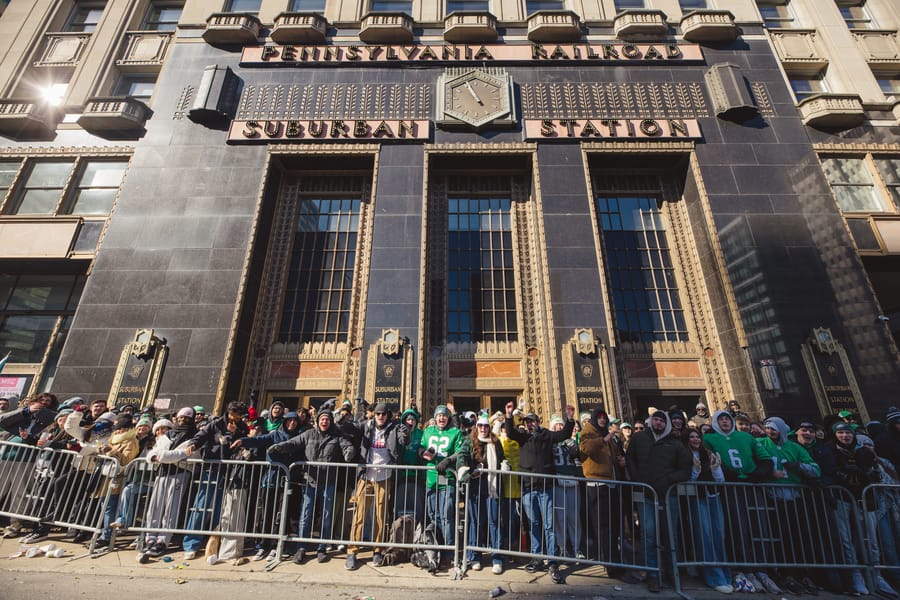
631,203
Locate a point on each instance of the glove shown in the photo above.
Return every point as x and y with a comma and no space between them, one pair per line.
791,465
715,460
443,465
865,458
463,475
504,466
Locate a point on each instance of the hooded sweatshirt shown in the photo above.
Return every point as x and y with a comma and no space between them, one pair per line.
659,460
742,459
598,456
786,451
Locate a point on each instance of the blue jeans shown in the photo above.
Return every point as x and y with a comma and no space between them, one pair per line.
204,515
439,506
316,499
710,520
538,503
647,515
109,514
483,511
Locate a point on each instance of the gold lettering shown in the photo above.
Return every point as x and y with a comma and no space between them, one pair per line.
483,54
558,53
272,128
612,125
392,54
650,127
631,51
374,51
293,129
383,130
547,129
352,53
448,52
673,51
360,129
267,51
538,51
428,53
569,124
250,129
338,129
407,128
676,126
610,51
589,130
289,53
316,128
652,52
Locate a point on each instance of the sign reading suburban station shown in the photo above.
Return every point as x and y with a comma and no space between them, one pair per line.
627,204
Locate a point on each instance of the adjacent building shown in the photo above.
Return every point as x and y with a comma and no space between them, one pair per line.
631,203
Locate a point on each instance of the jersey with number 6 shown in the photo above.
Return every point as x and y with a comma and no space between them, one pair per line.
739,452
445,442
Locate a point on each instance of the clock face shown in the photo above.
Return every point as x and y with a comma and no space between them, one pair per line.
476,98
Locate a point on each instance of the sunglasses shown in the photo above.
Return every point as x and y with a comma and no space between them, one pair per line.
641,428
380,414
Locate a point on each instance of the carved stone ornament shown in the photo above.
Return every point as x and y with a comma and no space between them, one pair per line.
823,341
585,342
391,342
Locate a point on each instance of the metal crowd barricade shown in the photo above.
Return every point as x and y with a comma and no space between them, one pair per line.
56,487
388,508
233,499
755,527
881,513
563,519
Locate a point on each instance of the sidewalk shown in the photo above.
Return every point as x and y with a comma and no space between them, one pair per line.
581,581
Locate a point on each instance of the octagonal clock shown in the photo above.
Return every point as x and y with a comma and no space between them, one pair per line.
475,98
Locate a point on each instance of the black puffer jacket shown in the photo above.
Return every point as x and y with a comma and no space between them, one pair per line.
314,445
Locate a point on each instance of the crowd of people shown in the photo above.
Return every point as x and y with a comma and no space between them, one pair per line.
550,495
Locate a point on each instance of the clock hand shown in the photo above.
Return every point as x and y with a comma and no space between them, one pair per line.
472,91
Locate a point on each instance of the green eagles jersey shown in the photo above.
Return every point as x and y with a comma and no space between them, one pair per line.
738,450
788,452
445,443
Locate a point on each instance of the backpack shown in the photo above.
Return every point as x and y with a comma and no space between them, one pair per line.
425,556
403,531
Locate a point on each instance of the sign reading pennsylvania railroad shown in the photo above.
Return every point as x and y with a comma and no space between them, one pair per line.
362,54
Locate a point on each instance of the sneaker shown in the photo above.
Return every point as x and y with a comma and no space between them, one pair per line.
143,557
741,584
39,535
497,568
300,556
475,565
653,584
81,537
321,556
271,555
212,559
754,583
884,587
859,584
579,555
555,575
768,585
101,543
724,589
157,549
190,555
377,559
11,531
350,564
533,566
260,554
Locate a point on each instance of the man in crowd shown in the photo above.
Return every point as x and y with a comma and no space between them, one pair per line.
599,457
657,458
440,444
536,457
701,416
383,440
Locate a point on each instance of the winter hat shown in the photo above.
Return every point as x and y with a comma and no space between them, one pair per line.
64,412
841,426
556,419
441,409
291,415
381,407
187,411
627,425
72,402
145,420
123,422
102,427
844,414
277,403
584,417
410,412
677,414
252,414
893,415
483,420
107,416
532,417
163,423
199,409
700,405
615,421
864,440
324,414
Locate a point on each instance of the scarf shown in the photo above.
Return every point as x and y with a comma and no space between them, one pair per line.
492,465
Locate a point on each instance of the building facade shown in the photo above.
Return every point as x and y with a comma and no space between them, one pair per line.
628,203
